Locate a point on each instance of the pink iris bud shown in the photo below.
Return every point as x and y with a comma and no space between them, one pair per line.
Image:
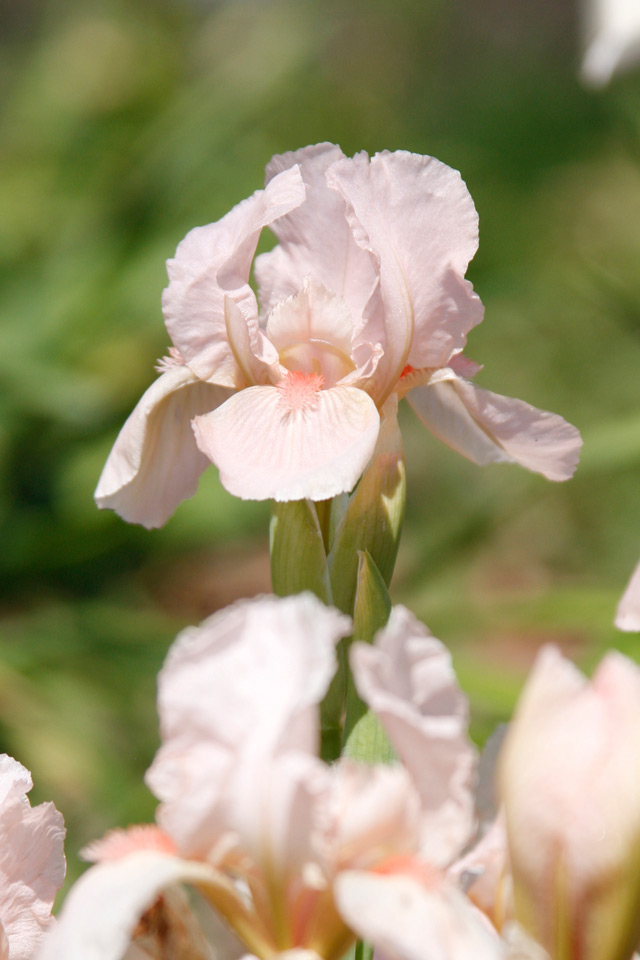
569,778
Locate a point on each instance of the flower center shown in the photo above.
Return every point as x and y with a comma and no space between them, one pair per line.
319,358
299,390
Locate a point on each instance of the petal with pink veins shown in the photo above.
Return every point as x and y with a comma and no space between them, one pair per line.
628,615
407,917
312,331
408,681
488,428
155,463
214,261
316,241
290,442
416,218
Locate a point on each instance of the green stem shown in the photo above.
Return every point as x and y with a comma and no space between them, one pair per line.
363,951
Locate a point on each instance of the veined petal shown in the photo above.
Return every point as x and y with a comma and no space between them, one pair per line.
416,217
628,615
103,909
315,239
272,444
215,261
155,463
486,427
408,681
411,920
312,314
32,864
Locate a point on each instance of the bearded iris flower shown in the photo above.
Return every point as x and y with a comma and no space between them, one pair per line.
282,845
363,298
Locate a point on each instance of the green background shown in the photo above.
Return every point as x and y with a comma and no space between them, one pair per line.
124,124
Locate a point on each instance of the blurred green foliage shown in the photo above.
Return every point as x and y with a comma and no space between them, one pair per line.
126,123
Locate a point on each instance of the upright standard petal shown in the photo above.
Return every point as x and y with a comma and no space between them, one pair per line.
316,241
416,218
32,864
291,442
247,680
488,428
408,681
155,463
628,615
213,262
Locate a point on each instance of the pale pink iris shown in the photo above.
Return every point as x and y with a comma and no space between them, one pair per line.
568,776
363,297
283,846
32,864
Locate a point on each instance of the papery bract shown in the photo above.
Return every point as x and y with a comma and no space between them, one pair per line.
364,297
32,864
569,776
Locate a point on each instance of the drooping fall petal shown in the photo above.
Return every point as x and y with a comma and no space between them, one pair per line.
487,428
291,442
155,463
